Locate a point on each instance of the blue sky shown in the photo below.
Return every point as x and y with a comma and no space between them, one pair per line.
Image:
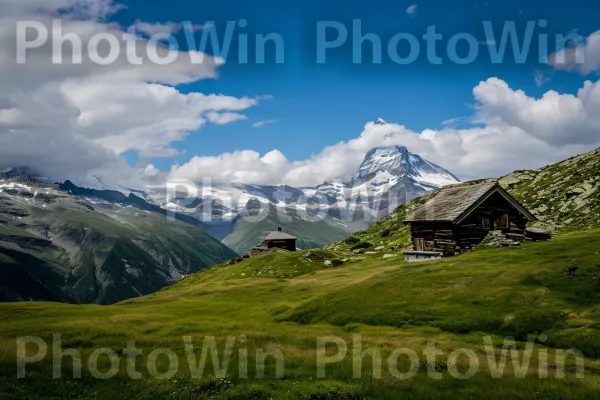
318,105
137,122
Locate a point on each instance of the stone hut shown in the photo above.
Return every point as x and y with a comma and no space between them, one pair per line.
277,239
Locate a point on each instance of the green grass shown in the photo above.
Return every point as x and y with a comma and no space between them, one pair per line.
501,291
279,264
295,299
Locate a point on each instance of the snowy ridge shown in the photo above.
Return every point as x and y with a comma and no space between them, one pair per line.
388,177
399,162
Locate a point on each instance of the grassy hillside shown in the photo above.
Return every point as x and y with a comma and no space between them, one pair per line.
248,233
563,196
285,301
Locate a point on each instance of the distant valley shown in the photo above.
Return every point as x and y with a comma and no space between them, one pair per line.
56,246
241,215
63,242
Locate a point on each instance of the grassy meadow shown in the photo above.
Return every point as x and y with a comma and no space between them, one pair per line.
283,302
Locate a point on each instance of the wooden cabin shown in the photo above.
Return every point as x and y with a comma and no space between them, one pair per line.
281,240
458,218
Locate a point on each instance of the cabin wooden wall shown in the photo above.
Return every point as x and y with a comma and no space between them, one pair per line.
471,231
288,244
435,236
449,239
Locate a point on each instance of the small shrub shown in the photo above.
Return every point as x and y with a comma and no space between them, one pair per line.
436,366
351,240
336,262
533,322
318,255
254,392
361,245
352,327
328,391
212,386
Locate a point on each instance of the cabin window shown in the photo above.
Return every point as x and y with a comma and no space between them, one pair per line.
485,223
419,244
502,222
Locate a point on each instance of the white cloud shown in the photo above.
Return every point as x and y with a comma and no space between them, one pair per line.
557,119
151,29
71,121
411,11
224,118
516,132
582,58
452,121
260,124
155,28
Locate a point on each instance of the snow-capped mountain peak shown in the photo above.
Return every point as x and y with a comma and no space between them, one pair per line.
398,161
380,121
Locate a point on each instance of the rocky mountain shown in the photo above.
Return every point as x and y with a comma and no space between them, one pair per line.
60,246
242,215
562,196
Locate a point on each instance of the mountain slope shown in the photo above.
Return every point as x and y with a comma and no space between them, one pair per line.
58,247
276,303
566,194
399,162
562,196
312,234
387,178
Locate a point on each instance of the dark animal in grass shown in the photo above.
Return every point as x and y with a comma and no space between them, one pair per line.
572,271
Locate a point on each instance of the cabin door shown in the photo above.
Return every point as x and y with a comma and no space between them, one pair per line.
502,222
419,244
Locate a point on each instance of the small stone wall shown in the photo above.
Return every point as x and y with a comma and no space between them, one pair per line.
416,256
499,239
260,250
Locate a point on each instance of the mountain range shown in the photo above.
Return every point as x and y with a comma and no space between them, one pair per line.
241,215
58,246
563,197
63,242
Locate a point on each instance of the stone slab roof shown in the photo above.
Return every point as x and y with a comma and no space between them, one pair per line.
453,203
280,236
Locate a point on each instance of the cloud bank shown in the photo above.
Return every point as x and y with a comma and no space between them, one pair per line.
584,59
72,121
515,132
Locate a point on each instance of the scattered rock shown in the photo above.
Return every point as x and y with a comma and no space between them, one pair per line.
389,256
379,248
328,262
317,255
499,239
